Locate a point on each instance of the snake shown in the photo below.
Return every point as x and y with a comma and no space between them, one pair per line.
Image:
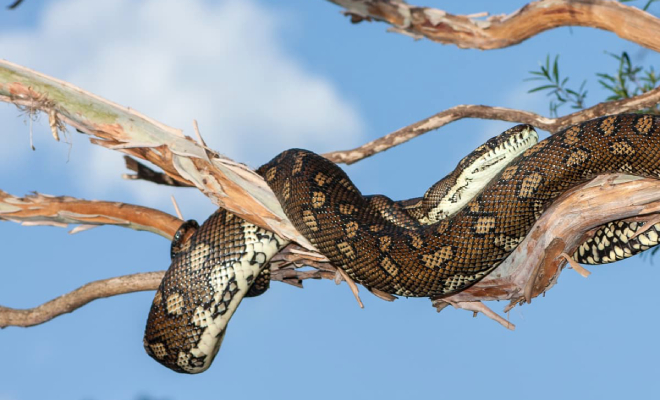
463,227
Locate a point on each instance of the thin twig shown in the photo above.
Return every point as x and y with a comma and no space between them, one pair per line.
73,300
456,113
199,135
176,208
14,4
576,266
352,285
477,306
382,295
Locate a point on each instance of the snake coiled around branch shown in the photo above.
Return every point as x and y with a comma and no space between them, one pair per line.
410,248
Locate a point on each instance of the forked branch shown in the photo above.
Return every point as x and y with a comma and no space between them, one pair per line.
552,125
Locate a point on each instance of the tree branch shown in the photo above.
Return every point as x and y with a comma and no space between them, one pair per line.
468,31
535,265
79,297
450,115
103,288
40,209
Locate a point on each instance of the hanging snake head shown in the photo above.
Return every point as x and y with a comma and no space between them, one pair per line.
212,269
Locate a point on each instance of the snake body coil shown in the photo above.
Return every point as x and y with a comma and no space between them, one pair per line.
422,253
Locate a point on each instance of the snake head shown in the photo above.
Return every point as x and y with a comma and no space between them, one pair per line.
213,268
474,172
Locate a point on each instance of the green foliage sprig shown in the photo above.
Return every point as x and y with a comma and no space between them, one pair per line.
627,81
557,87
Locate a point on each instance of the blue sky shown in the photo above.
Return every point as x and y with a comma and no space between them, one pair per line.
261,77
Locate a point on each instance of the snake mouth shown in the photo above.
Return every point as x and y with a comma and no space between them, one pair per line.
478,169
509,145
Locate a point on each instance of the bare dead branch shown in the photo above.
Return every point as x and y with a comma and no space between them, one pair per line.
445,117
468,31
79,297
40,209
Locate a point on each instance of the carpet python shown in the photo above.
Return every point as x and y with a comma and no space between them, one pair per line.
437,245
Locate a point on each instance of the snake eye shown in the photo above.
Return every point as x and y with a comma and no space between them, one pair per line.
181,239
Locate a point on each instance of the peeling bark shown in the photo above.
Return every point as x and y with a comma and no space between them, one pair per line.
228,184
41,209
499,31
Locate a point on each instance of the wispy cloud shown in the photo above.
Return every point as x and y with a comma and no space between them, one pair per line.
228,69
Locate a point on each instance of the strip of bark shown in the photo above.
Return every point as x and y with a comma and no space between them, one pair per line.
552,125
41,209
496,32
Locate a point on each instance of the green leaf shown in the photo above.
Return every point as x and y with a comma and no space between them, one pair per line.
606,76
648,4
606,86
545,87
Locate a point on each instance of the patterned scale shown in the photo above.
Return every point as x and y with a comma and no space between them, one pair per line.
617,240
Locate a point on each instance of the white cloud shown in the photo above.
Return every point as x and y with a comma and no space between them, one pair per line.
221,63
